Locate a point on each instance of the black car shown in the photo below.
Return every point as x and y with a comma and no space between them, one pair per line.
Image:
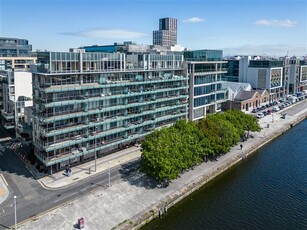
255,110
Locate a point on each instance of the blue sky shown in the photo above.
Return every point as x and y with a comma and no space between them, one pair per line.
271,27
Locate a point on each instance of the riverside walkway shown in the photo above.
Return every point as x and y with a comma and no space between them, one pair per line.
135,199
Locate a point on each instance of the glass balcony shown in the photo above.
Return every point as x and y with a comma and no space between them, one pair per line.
9,125
6,115
59,144
75,153
74,114
51,88
107,96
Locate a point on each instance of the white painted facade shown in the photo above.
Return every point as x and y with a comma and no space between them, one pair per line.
262,78
17,94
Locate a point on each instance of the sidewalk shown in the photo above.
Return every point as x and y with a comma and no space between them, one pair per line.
130,201
59,180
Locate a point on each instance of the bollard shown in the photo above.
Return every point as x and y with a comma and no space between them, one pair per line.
89,170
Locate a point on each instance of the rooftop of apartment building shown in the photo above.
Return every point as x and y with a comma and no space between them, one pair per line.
87,62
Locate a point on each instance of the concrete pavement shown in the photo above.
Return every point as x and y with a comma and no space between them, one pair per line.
4,192
132,200
59,180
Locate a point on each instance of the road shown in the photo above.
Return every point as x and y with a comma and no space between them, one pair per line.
33,199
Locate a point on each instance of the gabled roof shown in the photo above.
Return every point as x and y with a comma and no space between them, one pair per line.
236,86
245,95
261,91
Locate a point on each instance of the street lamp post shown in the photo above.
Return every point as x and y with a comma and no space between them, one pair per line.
109,173
15,209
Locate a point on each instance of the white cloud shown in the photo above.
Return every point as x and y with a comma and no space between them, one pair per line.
279,23
193,20
111,33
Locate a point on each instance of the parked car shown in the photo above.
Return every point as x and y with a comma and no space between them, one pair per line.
260,115
275,109
255,110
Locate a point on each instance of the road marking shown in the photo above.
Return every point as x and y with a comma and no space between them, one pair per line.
3,178
2,191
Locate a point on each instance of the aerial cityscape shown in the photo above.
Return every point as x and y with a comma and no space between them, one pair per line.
122,114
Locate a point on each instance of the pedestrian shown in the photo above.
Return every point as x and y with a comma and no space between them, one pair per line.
241,146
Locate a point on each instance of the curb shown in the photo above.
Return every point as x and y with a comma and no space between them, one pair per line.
160,208
77,181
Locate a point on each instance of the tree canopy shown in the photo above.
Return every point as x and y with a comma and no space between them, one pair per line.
167,152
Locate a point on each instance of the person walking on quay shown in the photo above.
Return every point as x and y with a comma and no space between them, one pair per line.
241,146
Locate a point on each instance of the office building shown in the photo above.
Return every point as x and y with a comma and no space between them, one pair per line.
285,77
167,33
90,104
14,47
303,78
297,76
263,74
205,69
232,70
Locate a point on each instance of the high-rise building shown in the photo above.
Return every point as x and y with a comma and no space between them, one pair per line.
206,70
167,33
90,104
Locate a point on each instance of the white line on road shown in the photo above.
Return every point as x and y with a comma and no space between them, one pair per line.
4,180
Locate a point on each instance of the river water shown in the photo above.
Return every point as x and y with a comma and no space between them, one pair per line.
267,191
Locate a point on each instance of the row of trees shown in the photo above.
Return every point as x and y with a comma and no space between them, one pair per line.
167,152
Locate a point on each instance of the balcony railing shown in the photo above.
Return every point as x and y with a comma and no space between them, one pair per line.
7,115
78,139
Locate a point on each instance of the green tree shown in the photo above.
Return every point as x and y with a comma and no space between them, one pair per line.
170,151
221,133
241,121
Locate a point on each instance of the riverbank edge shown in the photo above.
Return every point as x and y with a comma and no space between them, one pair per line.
161,207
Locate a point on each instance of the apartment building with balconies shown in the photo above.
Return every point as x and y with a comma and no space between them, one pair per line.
17,94
90,104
